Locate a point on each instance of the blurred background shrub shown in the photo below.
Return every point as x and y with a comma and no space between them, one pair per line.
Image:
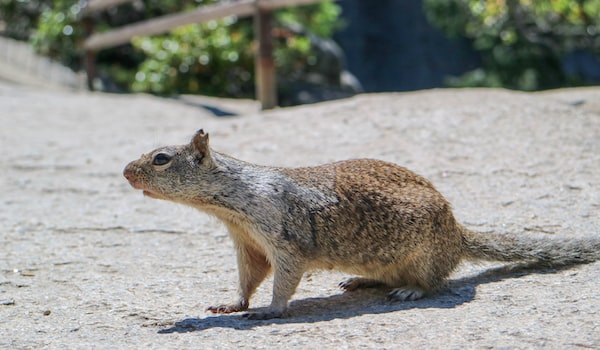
215,58
525,44
518,44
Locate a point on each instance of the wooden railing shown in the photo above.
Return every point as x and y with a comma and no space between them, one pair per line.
266,88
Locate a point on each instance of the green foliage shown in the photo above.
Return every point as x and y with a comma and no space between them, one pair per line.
320,18
215,58
20,16
522,42
59,33
292,51
51,26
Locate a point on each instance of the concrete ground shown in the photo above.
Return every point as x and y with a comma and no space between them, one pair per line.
86,262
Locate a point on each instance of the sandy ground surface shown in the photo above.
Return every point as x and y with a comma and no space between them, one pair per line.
86,262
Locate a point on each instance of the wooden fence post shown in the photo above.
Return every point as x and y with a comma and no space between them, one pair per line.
89,59
266,88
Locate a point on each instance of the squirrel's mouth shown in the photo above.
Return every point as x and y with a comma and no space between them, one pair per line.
145,191
151,194
139,185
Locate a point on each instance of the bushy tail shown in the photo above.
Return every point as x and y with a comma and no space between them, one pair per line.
545,251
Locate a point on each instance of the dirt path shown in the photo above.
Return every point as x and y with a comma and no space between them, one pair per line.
87,262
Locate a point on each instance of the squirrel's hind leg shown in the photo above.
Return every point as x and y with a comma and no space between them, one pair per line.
415,282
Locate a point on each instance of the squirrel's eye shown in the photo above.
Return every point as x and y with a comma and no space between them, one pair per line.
161,159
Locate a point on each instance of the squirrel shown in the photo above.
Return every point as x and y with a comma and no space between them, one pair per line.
366,217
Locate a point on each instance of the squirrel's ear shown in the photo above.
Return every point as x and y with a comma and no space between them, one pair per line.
200,142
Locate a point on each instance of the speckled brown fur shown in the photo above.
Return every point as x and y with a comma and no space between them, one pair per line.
366,217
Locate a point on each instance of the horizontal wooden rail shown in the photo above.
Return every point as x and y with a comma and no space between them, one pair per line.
266,86
240,8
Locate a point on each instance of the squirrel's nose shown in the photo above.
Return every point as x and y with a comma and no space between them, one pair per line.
127,172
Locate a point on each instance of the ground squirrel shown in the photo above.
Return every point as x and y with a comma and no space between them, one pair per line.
366,217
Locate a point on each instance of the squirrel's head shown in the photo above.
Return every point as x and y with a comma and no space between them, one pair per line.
172,172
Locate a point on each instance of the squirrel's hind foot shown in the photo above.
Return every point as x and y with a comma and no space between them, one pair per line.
408,293
267,315
354,283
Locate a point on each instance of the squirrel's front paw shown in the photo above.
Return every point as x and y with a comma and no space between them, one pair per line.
228,308
225,308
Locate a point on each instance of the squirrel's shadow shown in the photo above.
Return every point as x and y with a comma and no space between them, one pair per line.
361,302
